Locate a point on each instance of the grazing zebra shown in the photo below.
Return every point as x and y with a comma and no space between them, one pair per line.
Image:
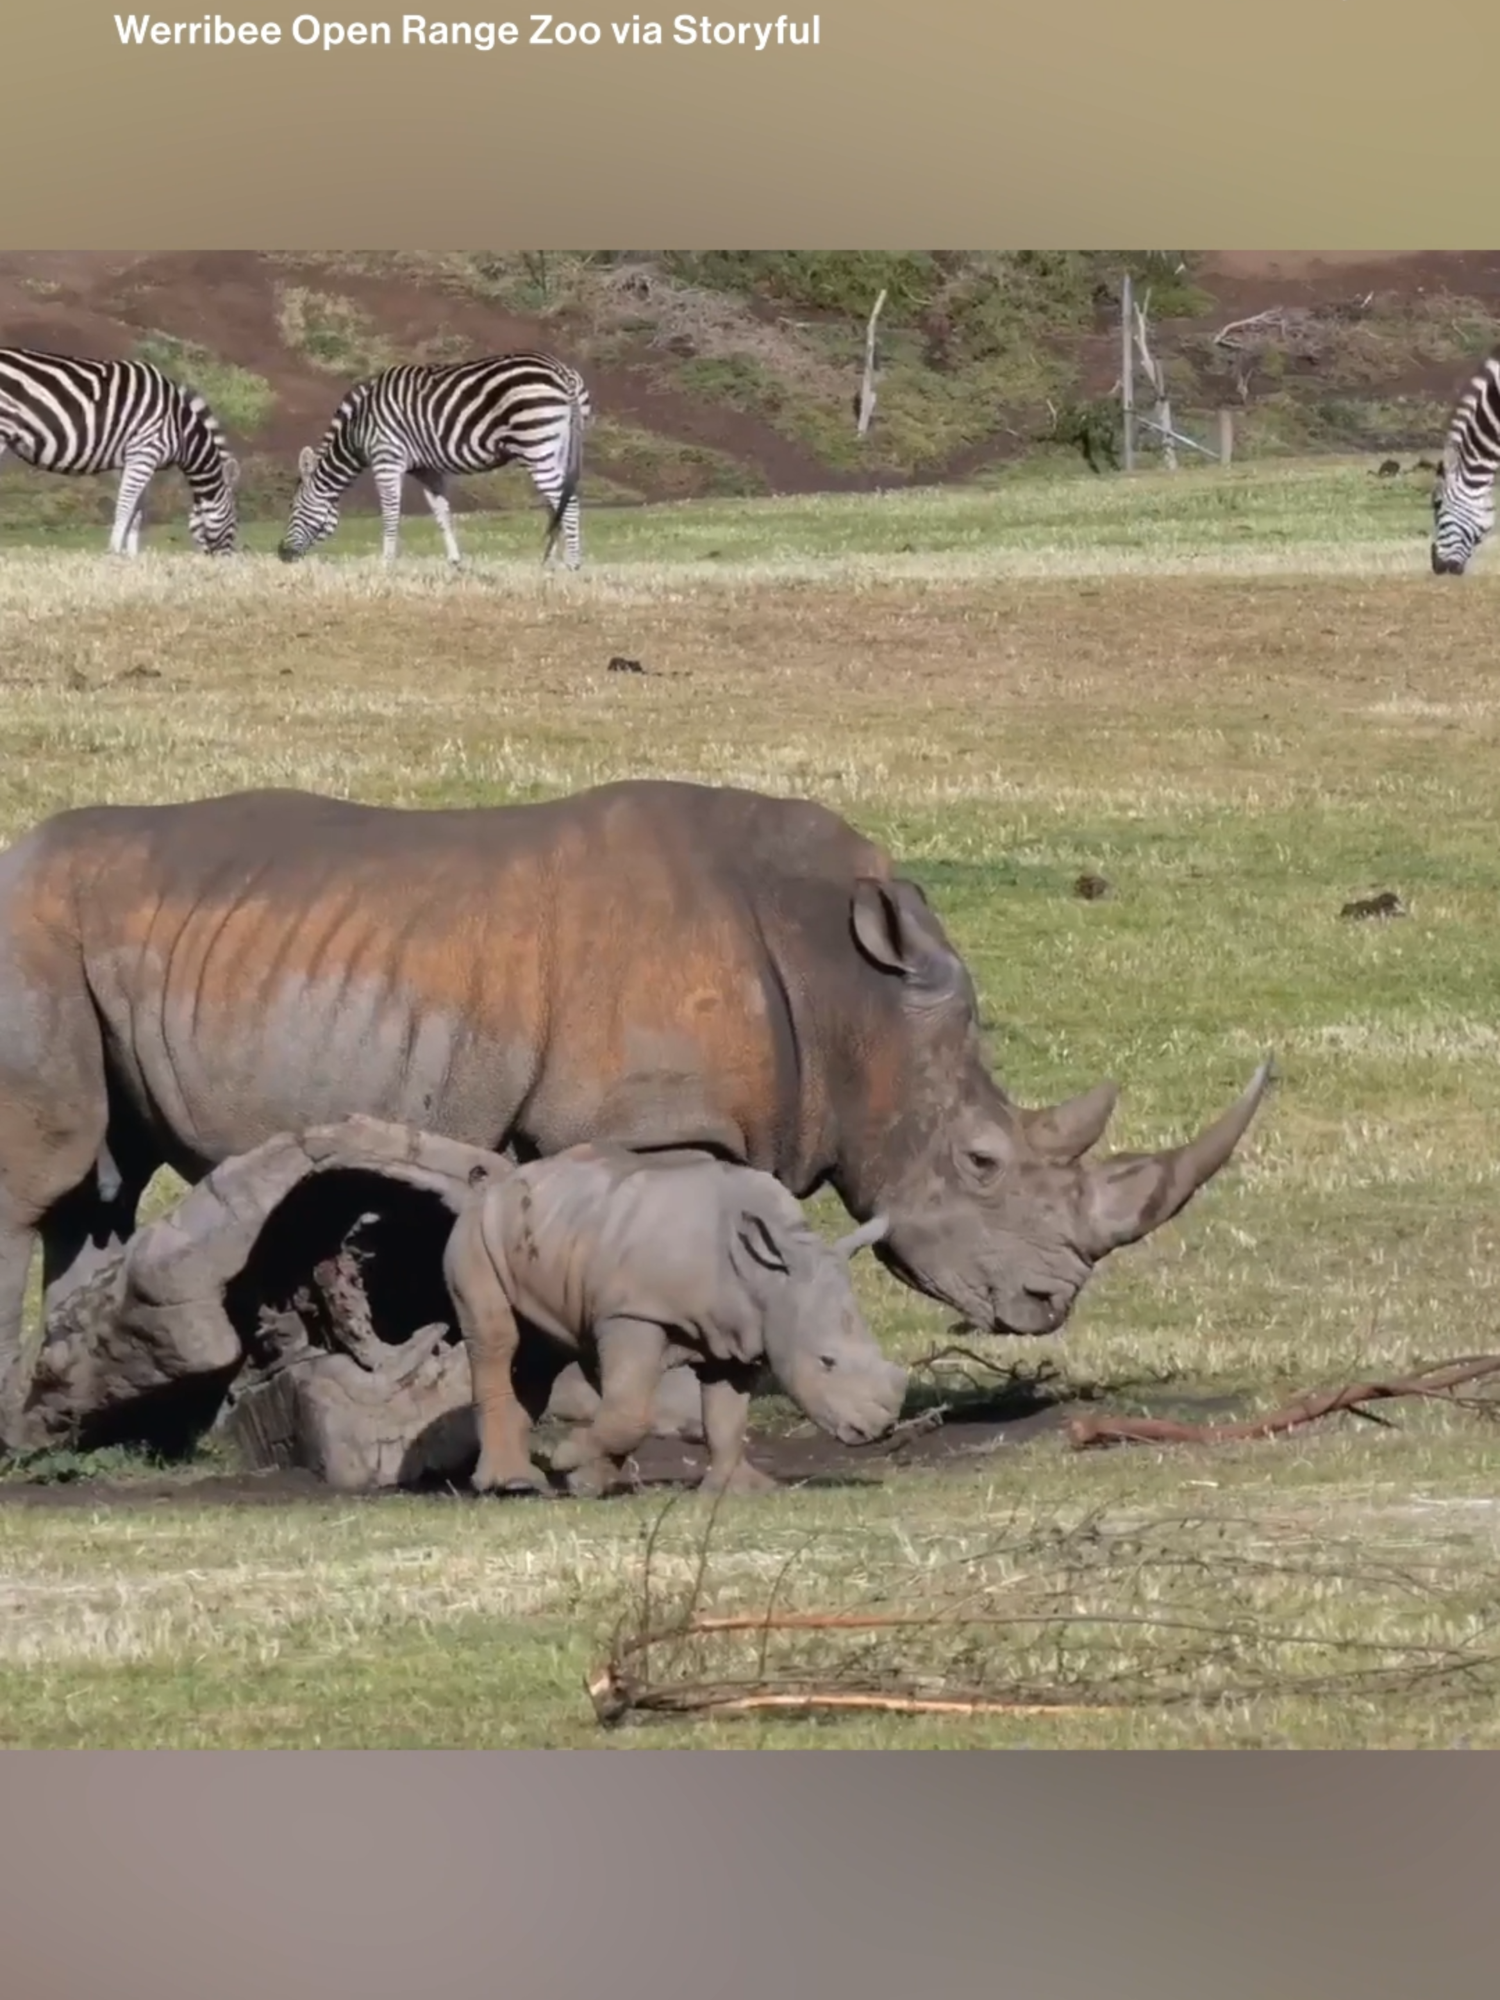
61,414
1463,498
429,421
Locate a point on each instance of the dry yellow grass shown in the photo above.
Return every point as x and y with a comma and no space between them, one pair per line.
1240,735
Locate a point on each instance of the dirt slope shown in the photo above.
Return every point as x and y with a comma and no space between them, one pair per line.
756,394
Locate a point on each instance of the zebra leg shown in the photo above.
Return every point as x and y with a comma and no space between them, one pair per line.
572,538
435,488
388,477
135,477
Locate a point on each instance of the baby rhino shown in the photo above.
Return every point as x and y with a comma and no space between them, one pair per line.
643,1263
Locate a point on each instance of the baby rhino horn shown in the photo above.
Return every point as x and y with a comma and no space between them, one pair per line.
1129,1195
866,1234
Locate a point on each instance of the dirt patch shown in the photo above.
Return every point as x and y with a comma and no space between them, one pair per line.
954,1444
226,302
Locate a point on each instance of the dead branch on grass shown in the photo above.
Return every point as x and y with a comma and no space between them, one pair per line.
1436,1383
1063,1633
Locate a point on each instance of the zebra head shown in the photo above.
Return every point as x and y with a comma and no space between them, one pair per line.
314,514
213,519
1463,513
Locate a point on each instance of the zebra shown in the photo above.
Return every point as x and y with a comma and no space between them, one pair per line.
430,420
59,413
1463,496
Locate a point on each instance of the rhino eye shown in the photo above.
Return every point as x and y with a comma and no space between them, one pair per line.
982,1161
828,1361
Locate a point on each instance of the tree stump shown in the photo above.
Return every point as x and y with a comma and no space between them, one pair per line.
293,1304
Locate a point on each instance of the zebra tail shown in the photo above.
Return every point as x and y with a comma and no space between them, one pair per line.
571,474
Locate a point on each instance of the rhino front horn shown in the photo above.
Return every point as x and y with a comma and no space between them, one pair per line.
1064,1132
1130,1195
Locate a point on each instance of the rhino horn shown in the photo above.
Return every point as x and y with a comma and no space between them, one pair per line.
1064,1132
1129,1195
867,1233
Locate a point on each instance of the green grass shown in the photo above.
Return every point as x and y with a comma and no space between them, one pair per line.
331,332
1241,699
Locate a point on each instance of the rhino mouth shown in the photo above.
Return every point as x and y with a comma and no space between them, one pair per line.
978,1310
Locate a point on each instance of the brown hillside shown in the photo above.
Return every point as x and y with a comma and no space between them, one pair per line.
705,388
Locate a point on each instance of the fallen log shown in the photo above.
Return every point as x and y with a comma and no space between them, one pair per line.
246,1310
292,1305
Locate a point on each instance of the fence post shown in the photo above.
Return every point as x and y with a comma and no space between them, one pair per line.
1127,367
1226,436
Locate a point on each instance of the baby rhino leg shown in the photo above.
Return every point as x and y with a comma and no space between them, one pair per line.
676,1413
632,1355
490,1334
726,1414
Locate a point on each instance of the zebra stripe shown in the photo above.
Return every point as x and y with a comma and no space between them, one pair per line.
432,420
62,414
1463,498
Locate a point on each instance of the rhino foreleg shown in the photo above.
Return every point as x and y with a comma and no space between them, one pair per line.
632,1357
676,1413
726,1417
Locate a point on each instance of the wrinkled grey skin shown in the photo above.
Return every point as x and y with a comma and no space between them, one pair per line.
648,963
645,1264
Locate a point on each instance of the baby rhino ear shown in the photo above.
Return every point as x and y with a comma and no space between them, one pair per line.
758,1238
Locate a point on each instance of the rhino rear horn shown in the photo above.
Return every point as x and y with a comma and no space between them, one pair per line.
1064,1132
873,1231
1128,1196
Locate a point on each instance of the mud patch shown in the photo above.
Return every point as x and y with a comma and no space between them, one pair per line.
956,1443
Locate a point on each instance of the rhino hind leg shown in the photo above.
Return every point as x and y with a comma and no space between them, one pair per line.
492,1338
52,1199
91,1225
17,1240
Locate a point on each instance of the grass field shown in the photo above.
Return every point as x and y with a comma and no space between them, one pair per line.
1240,698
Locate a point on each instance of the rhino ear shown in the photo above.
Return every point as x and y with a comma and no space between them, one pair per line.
896,930
758,1239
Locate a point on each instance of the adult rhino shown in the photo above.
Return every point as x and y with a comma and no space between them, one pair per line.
649,963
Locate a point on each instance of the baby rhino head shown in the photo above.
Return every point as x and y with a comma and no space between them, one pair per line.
817,1344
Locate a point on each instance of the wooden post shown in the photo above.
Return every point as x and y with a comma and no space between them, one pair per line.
1226,436
1127,368
867,386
